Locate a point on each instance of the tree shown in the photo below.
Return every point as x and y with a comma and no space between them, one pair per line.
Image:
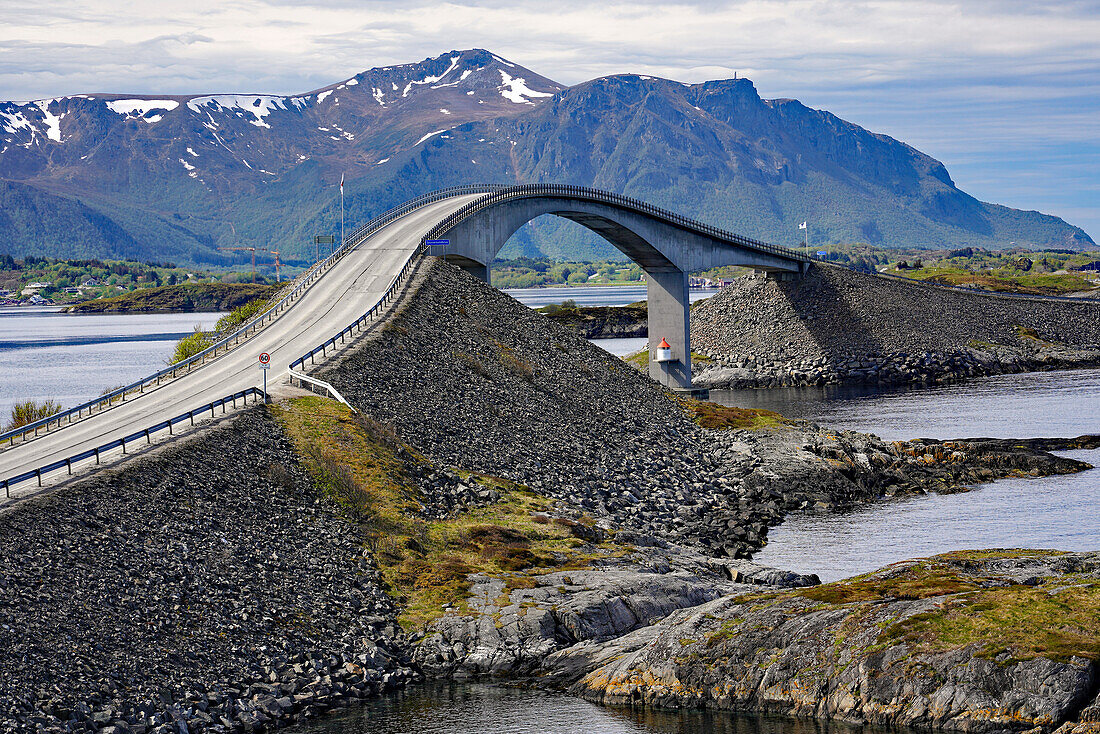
30,411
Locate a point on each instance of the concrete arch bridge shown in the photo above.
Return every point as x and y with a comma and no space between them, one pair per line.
340,296
666,245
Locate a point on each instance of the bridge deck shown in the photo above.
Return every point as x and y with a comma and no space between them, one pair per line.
340,296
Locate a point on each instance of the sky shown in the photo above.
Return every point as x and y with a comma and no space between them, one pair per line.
1006,93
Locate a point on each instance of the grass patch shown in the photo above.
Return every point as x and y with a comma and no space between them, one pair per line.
639,360
473,364
724,417
917,581
1003,280
1053,620
1057,619
514,364
425,565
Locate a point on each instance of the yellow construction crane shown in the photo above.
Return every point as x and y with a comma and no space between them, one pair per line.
249,249
278,264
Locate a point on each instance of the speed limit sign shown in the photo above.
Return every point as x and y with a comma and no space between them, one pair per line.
265,358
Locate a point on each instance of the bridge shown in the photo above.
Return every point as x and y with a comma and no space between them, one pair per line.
341,295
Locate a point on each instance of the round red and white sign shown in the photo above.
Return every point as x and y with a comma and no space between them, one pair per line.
265,358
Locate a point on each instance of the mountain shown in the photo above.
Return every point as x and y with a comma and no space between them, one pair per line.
174,177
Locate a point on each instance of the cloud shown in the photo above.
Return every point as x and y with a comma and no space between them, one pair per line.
962,81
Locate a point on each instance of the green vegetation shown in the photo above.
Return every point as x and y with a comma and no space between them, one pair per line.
240,315
189,346
77,281
1055,618
187,298
30,411
725,417
526,272
425,564
199,340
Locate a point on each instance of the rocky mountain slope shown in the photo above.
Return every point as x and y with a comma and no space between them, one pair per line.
176,176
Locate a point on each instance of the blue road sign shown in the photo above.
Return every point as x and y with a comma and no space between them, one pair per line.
437,243
821,253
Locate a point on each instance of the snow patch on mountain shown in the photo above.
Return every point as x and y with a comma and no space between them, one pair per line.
139,108
418,142
515,89
16,121
53,122
430,79
322,95
259,106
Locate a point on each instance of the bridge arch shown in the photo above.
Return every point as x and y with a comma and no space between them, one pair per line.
667,246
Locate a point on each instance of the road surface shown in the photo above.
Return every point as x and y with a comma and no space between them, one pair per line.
337,298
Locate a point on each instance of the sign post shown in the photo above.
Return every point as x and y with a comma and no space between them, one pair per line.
265,365
441,244
321,239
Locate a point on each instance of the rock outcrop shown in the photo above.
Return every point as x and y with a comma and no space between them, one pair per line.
964,641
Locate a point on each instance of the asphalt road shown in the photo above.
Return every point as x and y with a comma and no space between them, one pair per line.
336,299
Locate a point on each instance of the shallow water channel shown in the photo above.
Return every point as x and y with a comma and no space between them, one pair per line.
1050,512
73,358
482,708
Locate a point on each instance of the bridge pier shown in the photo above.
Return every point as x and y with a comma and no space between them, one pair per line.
479,271
669,319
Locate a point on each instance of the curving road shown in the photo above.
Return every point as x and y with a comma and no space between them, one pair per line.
336,299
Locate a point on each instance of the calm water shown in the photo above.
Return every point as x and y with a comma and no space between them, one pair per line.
73,358
476,709
608,295
1051,512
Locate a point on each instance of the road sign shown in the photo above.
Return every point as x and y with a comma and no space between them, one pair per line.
821,253
265,358
324,239
437,243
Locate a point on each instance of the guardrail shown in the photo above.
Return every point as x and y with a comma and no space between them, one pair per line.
121,442
304,281
301,379
525,191
370,228
358,324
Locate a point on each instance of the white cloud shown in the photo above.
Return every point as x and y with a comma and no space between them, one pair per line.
949,77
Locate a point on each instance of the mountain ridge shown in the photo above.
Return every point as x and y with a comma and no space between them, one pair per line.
177,175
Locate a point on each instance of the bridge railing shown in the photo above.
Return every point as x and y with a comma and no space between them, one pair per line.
146,433
356,326
301,284
606,197
387,297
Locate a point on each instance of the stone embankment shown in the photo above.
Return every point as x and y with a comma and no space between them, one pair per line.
207,587
838,326
470,378
218,585
602,322
965,641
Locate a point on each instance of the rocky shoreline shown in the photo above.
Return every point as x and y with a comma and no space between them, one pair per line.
902,646
733,372
244,579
